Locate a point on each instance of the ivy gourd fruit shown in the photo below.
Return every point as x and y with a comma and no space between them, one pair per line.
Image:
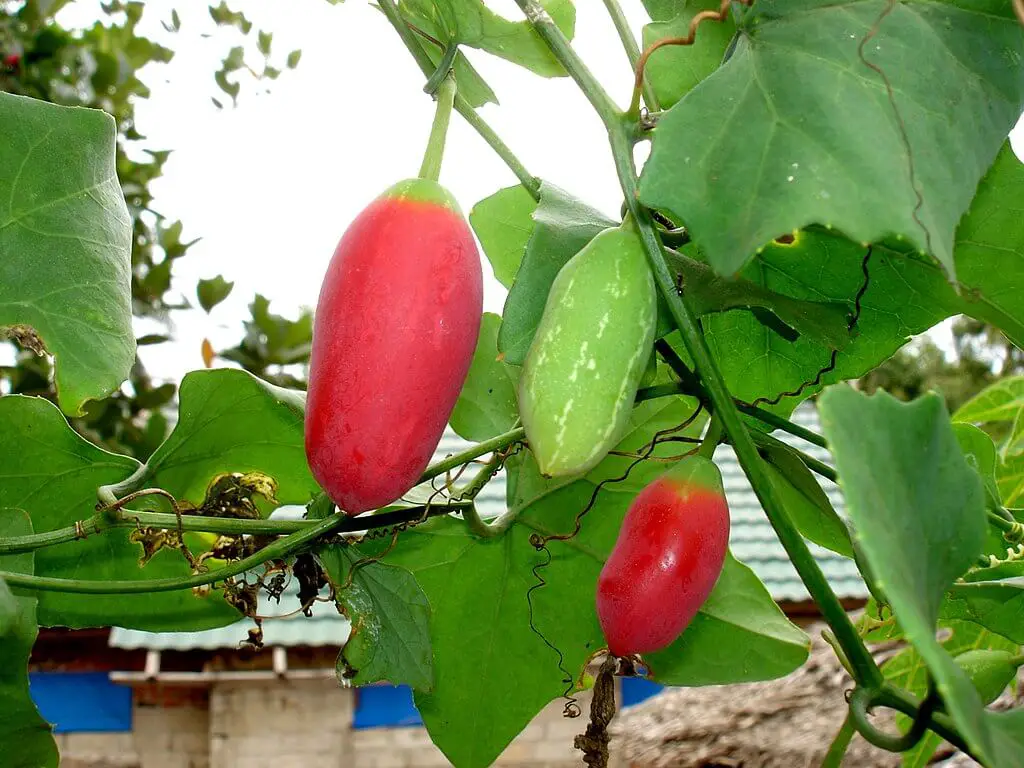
393,338
594,340
665,563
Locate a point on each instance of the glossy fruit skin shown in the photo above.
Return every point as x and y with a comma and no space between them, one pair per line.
667,559
586,360
393,338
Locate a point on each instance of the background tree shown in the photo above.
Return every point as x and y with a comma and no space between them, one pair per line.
99,66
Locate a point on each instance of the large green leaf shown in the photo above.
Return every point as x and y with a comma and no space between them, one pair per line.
675,70
471,23
905,295
1010,479
487,404
26,738
503,223
65,245
918,512
481,624
390,619
1001,401
908,670
52,473
996,605
823,100
563,226
231,421
990,248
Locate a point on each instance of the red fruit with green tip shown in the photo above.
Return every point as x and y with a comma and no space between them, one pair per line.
394,334
669,554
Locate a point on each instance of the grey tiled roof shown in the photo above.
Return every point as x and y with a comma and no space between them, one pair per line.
752,539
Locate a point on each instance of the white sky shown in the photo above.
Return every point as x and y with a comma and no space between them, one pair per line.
271,185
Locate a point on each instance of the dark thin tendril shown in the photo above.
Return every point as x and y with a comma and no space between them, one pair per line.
851,323
900,124
540,543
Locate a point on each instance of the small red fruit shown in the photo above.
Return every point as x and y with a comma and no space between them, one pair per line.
12,60
669,554
394,334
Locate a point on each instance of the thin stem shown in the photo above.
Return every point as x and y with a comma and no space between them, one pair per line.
431,168
444,68
866,671
487,446
691,386
711,439
896,698
841,742
109,494
463,107
276,550
632,50
818,467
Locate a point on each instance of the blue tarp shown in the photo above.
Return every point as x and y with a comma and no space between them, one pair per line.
378,706
81,701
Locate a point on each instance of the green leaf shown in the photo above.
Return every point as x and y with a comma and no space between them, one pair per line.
739,635
503,223
263,42
563,226
390,619
1001,401
990,248
27,738
1010,479
806,502
231,421
478,26
908,670
53,474
213,291
675,70
481,625
863,78
918,512
996,605
905,295
65,244
293,58
487,404
980,452
824,322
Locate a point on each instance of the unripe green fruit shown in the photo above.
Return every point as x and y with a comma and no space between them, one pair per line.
581,373
990,671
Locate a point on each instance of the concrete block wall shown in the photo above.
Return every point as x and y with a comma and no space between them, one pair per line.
293,724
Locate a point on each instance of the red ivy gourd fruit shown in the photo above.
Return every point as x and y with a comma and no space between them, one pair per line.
393,338
669,554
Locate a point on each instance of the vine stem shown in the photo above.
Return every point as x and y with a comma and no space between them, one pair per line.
274,551
632,51
431,168
865,670
841,742
122,518
530,183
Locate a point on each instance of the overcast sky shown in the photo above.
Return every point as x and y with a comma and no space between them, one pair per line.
271,184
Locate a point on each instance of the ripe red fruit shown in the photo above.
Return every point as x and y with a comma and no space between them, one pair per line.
394,334
12,60
668,556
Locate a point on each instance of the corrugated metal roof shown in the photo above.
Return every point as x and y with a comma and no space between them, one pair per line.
752,539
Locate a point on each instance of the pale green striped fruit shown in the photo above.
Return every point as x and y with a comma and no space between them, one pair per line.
581,374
